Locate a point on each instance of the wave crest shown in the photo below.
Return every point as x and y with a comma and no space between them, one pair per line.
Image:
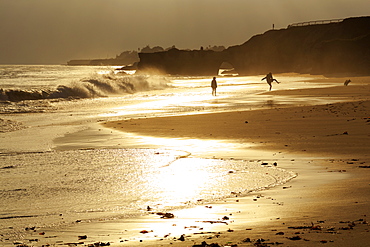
96,86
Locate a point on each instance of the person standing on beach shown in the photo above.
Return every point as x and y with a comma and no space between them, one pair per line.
214,86
269,79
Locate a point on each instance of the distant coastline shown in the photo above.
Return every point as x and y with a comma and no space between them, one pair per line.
127,58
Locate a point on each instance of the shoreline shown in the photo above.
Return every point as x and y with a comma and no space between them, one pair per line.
327,203
329,140
339,129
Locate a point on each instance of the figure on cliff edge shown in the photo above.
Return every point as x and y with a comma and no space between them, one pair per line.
269,79
214,86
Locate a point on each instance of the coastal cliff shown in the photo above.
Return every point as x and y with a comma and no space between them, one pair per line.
181,62
340,48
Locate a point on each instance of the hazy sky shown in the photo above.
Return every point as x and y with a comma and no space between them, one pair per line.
55,31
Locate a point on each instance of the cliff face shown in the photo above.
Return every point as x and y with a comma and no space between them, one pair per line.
180,62
341,48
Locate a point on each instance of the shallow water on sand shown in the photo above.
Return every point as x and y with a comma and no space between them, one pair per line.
58,188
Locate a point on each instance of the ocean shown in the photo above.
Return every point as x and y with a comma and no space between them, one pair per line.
59,165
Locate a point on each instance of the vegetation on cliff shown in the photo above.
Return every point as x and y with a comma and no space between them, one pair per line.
130,58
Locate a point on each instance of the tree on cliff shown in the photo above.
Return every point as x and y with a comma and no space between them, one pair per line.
147,49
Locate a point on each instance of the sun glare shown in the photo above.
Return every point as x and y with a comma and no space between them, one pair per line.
182,181
193,146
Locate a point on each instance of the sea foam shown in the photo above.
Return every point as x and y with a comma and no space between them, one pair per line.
94,86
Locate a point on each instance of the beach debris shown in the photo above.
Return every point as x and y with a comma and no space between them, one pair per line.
214,222
317,228
295,238
166,215
53,236
346,82
350,225
97,244
344,133
261,240
247,240
8,167
311,227
33,240
362,220
82,237
30,228
182,237
217,234
192,227
225,218
204,244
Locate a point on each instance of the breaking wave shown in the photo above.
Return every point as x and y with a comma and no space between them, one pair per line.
96,86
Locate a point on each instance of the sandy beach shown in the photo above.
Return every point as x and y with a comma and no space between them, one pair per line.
314,127
326,145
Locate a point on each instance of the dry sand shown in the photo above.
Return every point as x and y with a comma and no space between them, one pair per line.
328,146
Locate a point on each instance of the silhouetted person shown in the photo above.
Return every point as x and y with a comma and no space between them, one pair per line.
214,86
269,79
347,82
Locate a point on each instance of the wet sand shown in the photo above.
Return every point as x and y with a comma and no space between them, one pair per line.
326,145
